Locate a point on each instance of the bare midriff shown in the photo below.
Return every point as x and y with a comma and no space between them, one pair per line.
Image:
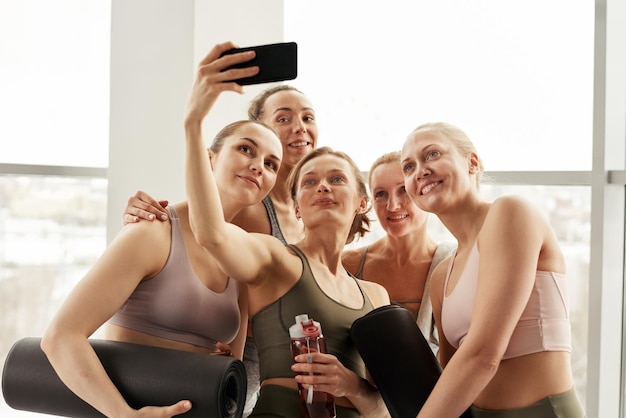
516,385
117,333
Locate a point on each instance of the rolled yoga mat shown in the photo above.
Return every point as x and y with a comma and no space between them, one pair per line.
398,358
145,375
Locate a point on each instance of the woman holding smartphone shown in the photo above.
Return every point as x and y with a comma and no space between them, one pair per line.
283,281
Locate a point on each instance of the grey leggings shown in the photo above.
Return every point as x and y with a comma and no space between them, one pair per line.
563,405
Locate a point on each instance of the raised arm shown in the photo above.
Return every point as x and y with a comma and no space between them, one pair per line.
228,243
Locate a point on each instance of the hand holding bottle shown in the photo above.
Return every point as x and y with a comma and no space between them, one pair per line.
306,341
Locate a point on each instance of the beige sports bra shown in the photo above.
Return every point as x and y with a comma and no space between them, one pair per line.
543,326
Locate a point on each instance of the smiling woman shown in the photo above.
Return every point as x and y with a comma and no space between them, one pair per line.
521,89
508,265
479,66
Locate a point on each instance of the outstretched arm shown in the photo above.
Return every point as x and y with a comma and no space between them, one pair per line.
142,205
228,243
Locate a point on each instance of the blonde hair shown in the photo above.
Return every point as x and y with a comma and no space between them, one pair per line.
390,157
457,137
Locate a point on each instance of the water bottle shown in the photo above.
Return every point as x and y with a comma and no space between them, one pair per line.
306,337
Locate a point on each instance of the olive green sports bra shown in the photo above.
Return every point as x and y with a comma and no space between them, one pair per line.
270,326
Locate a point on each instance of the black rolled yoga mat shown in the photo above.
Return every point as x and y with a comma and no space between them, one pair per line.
398,358
145,375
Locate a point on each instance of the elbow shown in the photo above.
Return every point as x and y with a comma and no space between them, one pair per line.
209,241
488,360
489,364
50,343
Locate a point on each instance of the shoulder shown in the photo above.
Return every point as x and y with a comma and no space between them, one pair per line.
377,293
281,256
351,259
513,214
511,205
513,229
143,245
145,232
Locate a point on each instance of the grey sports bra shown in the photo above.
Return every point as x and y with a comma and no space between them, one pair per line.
271,213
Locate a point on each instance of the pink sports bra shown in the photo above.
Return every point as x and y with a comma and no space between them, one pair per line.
543,326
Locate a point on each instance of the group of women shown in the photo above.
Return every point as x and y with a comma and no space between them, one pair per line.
495,310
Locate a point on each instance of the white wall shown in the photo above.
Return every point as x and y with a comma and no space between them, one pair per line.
155,46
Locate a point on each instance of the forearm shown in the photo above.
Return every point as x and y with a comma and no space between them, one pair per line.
462,380
205,209
79,368
368,401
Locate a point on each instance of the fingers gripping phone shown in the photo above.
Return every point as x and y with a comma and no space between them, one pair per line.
276,62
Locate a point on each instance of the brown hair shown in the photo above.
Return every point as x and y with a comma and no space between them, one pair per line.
230,129
256,109
361,221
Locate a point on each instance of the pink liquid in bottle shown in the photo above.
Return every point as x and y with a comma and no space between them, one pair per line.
306,337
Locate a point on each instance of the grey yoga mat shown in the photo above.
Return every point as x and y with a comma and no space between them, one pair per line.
398,358
145,375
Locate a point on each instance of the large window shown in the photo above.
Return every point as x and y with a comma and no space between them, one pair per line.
54,79
499,70
54,65
519,77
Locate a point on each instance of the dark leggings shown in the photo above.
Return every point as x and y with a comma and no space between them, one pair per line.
280,402
563,405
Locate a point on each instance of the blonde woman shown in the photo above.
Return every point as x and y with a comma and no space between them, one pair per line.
500,302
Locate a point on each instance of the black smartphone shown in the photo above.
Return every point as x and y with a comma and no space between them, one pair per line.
276,62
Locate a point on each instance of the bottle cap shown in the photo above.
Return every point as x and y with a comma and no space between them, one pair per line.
310,328
301,318
295,331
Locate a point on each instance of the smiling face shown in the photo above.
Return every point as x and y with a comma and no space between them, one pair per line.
435,172
247,162
292,117
395,210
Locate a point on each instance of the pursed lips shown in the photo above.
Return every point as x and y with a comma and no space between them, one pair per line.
323,202
251,180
